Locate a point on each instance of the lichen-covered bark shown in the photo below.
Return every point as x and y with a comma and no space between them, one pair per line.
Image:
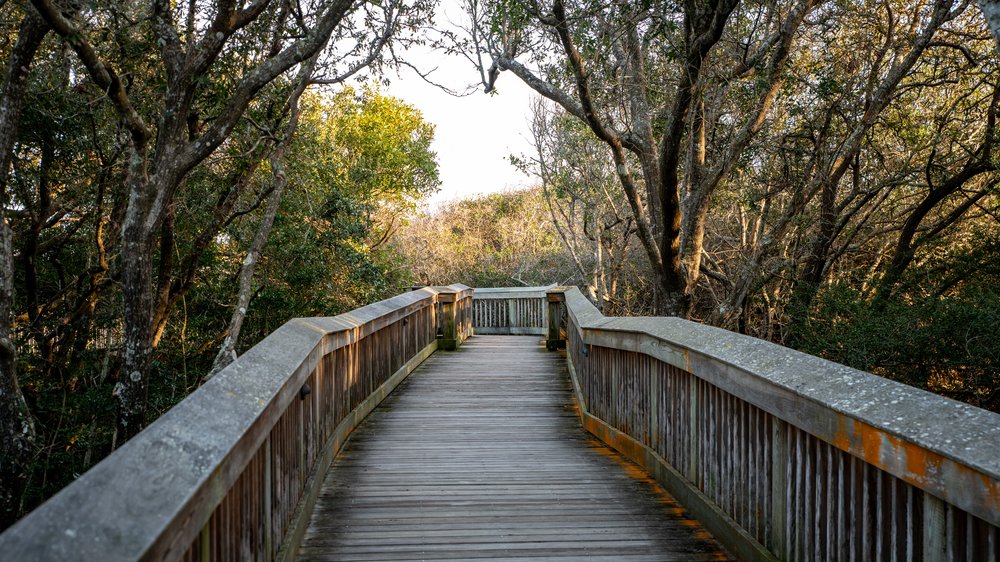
17,429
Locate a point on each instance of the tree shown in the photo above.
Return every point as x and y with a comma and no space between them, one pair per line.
578,183
385,159
369,152
868,169
227,351
17,428
617,56
244,47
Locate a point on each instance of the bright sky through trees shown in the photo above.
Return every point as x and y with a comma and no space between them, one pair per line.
474,134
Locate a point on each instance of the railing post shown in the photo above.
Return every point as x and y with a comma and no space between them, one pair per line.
463,311
449,328
555,298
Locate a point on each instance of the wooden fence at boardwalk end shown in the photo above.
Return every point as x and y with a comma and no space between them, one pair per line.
510,310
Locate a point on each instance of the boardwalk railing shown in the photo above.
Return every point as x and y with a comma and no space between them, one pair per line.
783,455
510,310
232,471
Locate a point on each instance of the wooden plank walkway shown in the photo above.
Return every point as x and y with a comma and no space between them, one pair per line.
479,455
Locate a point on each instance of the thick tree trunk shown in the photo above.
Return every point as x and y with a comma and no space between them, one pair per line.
703,25
17,429
138,245
696,208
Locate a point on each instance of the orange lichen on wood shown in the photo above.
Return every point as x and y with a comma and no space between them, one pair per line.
909,461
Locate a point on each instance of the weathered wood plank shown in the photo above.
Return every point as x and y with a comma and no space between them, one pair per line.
479,455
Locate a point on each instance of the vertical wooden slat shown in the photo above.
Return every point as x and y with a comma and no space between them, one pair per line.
992,544
830,504
844,495
896,511
800,524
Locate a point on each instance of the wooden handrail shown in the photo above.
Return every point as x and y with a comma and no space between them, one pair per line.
784,455
232,469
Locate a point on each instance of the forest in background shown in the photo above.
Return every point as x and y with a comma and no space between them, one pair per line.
179,179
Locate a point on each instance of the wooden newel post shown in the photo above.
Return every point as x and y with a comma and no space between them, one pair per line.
555,298
449,327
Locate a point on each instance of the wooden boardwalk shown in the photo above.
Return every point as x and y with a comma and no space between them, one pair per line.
479,455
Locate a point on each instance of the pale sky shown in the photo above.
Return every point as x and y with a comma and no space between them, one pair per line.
474,134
